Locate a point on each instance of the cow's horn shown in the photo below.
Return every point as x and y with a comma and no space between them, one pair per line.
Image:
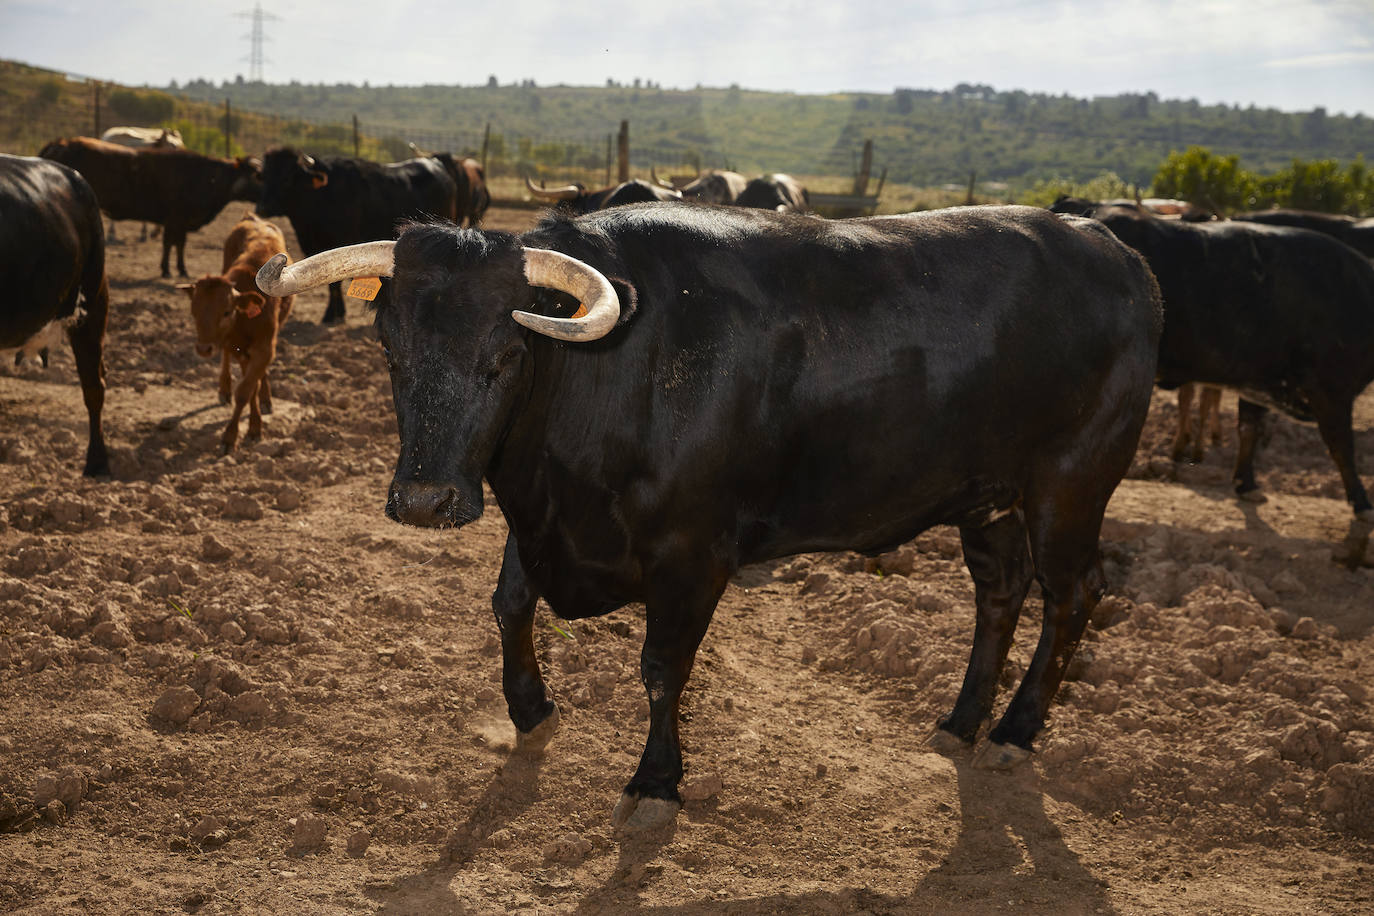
653,176
581,281
567,192
370,259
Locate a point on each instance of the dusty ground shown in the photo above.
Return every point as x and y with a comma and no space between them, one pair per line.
249,692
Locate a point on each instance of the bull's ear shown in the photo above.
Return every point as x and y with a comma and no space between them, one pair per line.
318,179
629,299
249,304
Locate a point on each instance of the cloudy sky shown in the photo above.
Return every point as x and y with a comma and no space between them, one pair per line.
1288,54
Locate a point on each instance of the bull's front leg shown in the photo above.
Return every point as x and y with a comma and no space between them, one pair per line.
226,387
677,615
527,701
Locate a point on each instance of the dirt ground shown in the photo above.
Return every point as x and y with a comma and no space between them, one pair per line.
230,685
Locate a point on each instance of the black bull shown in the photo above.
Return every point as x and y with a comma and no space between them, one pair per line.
52,256
770,385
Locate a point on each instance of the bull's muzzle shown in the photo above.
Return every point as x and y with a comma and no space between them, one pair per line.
430,505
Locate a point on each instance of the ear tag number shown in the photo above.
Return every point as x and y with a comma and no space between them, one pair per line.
364,288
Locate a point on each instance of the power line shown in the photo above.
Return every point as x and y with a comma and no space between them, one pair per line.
255,59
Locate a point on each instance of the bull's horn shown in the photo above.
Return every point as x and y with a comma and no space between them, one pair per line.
567,192
370,259
653,176
581,281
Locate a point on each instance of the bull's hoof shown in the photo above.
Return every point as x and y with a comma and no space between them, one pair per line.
993,756
1366,516
265,408
633,814
536,739
947,743
1252,496
224,397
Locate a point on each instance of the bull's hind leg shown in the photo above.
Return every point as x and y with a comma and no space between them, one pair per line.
1064,522
87,337
1333,418
534,714
998,559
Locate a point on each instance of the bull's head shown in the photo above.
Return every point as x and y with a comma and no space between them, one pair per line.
214,305
457,356
286,175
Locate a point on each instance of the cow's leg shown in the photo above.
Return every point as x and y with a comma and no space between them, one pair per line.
265,394
180,242
1334,423
998,559
1249,428
166,253
1183,434
87,336
677,613
1209,413
335,310
1064,525
226,387
253,365
527,701
143,235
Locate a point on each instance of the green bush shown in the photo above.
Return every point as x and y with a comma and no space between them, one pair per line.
141,107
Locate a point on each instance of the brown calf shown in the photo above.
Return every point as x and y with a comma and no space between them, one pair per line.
232,315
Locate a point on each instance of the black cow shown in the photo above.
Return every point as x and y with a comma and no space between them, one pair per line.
775,192
178,189
749,385
470,178
1357,233
52,255
575,199
1285,316
712,186
334,201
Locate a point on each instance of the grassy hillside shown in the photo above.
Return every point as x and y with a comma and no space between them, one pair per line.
924,139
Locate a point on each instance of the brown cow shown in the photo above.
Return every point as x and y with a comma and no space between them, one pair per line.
231,314
179,189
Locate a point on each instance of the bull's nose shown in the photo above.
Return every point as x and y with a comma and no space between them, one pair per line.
428,505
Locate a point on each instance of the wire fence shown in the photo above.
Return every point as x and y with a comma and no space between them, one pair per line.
226,131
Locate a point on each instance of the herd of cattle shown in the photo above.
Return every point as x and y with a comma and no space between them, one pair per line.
663,384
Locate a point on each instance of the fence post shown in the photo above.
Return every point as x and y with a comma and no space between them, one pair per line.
486,141
97,109
608,160
227,122
865,167
356,145
624,171
972,179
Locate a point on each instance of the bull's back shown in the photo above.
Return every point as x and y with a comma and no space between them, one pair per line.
902,368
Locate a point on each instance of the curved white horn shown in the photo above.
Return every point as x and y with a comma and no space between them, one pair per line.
370,259
653,176
581,281
567,192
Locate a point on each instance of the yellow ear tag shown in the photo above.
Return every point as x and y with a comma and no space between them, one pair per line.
364,288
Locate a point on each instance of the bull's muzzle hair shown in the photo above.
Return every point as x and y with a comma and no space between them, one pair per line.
551,269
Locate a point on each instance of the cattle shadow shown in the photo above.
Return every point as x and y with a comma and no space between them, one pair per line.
514,787
1008,852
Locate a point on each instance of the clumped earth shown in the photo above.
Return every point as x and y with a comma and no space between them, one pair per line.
230,685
